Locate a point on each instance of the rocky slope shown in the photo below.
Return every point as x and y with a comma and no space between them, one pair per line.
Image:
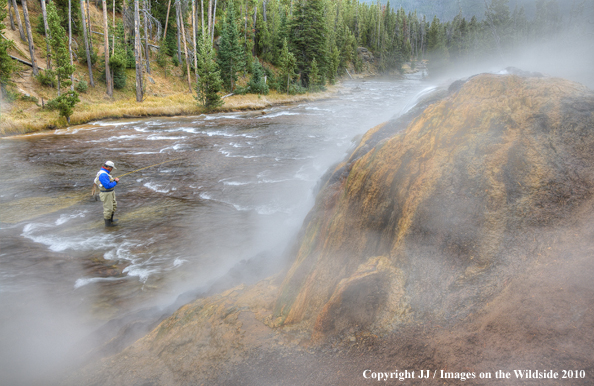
455,237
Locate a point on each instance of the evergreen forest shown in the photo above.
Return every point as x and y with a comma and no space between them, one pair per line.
291,46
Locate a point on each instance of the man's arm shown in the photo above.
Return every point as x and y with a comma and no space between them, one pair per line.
106,182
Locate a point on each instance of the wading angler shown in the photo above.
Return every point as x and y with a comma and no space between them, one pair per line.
106,184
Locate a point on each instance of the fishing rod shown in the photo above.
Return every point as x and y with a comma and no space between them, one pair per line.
146,167
94,190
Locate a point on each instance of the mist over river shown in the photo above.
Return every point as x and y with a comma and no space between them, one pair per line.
237,185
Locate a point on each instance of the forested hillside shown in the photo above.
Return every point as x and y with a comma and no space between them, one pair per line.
289,46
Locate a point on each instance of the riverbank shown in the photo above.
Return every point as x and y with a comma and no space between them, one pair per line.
25,116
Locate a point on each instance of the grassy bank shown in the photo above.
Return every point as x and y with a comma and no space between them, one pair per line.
25,116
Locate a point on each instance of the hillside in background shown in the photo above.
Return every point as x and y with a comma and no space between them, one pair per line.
447,10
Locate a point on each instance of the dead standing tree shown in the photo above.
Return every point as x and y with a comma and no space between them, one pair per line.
30,37
18,18
47,35
108,79
137,50
86,38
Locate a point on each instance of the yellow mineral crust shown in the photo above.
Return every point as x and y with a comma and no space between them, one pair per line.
439,201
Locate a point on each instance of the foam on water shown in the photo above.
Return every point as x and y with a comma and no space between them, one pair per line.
215,117
212,133
280,113
157,188
61,243
155,137
67,217
104,123
125,137
142,273
230,155
235,183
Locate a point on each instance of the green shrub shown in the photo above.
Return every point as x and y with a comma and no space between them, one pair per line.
295,88
82,86
29,98
47,78
162,55
40,28
257,84
119,79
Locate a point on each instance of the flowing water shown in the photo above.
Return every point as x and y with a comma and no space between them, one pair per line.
236,185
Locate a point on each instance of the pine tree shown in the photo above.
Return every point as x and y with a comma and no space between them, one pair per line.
257,83
119,59
286,64
58,45
6,67
64,103
309,37
230,53
314,76
209,83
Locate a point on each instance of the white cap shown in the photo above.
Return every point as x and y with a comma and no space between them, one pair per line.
110,164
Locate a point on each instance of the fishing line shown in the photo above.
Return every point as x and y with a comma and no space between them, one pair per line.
146,167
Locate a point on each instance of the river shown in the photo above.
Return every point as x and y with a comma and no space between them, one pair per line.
236,185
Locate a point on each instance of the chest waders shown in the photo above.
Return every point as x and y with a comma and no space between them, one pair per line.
107,196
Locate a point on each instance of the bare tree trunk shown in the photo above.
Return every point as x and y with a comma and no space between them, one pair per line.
167,20
183,31
214,20
108,79
194,22
90,27
137,49
209,15
202,16
113,27
264,10
124,24
178,18
245,20
70,43
254,28
30,37
47,35
187,57
12,27
146,42
84,25
113,38
18,18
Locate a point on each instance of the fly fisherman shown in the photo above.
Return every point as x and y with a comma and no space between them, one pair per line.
107,184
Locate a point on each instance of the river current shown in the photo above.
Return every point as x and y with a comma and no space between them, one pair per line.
233,186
